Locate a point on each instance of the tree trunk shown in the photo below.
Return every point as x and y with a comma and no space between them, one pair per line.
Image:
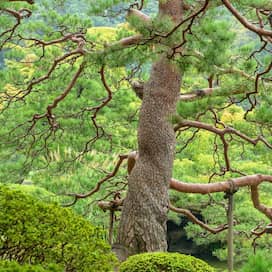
143,222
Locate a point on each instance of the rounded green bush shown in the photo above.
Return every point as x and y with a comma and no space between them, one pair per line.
164,262
35,232
7,266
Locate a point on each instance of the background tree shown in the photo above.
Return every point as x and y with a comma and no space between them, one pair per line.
222,76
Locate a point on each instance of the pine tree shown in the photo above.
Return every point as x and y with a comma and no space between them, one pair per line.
185,37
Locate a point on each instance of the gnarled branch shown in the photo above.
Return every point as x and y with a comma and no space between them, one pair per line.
224,186
222,132
253,181
99,183
245,22
195,220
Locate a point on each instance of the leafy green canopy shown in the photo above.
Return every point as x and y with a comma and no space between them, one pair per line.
159,262
38,233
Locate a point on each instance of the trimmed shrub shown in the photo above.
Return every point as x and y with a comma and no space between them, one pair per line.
7,266
162,262
35,232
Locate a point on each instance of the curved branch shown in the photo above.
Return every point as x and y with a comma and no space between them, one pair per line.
189,18
224,186
195,220
58,99
18,15
257,204
222,132
20,95
138,88
99,183
267,70
77,38
253,181
99,130
245,22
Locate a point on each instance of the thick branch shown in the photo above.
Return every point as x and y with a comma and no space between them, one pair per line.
224,186
135,39
197,94
138,14
245,22
132,157
138,88
114,205
253,181
127,42
257,204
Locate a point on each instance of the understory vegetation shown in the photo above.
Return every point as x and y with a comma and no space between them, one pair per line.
158,262
34,232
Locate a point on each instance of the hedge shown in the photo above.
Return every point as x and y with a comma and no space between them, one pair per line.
164,262
12,266
35,232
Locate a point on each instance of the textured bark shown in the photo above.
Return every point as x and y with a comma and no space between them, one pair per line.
143,222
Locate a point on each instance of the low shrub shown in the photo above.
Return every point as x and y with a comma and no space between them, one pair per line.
162,262
35,232
7,266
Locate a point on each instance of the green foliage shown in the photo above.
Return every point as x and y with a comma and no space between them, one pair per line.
37,192
34,232
261,262
12,266
195,163
256,3
101,6
215,46
156,262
